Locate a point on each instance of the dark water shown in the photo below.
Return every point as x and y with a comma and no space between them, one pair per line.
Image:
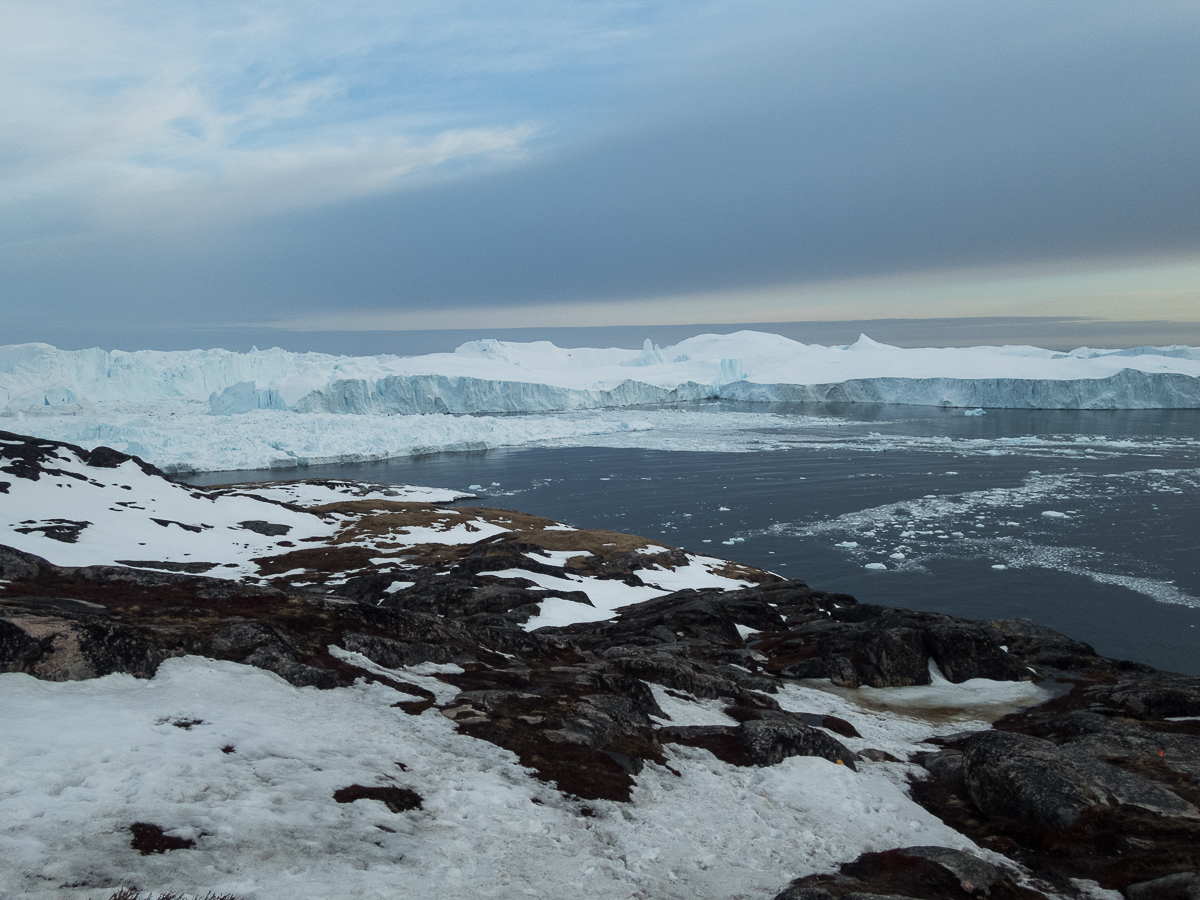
1117,564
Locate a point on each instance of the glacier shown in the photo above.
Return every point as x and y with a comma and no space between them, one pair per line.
490,376
218,409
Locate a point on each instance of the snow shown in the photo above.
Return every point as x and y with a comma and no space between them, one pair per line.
39,375
609,595
82,761
284,441
316,493
211,410
119,508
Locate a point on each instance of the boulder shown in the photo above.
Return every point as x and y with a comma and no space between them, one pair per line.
1023,777
763,742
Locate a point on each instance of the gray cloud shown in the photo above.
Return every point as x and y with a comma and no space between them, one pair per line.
855,140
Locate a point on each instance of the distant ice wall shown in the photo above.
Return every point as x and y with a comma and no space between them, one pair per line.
243,397
422,394
1128,389
497,377
33,375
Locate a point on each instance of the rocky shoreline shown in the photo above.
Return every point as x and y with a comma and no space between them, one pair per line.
1096,789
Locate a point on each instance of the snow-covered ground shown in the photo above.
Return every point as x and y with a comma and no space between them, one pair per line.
80,760
210,410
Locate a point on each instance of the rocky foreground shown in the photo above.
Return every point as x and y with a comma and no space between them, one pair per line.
659,723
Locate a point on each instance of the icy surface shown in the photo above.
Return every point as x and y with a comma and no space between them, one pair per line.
206,410
81,761
999,524
496,376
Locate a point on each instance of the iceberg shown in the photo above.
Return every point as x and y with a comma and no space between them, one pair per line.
491,376
217,409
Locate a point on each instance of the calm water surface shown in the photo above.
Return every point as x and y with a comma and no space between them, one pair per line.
1088,522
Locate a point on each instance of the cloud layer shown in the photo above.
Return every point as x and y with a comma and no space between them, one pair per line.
264,161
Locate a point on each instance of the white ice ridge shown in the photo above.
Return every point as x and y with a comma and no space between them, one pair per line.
491,376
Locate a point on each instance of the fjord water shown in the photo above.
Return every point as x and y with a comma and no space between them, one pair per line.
1085,521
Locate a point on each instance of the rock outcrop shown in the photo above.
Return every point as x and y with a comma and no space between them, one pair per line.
1100,784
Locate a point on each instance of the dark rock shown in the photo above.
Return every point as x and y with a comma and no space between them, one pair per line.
268,529
149,839
191,568
973,873
706,616
71,646
64,530
869,654
165,523
1037,645
927,873
774,740
804,892
876,755
238,640
260,645
966,650
17,565
397,799
946,767
29,457
1159,695
394,654
1022,777
760,743
1181,886
281,661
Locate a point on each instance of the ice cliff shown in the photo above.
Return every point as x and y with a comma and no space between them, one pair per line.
499,377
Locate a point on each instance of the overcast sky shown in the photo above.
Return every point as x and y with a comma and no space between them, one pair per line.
320,165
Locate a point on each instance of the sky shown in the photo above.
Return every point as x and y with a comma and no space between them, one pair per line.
314,167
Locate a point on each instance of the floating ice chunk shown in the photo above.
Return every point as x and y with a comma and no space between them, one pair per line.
1054,514
475,487
897,555
999,566
722,509
974,412
847,544
874,566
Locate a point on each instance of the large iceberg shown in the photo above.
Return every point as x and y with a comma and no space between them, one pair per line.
499,377
215,409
